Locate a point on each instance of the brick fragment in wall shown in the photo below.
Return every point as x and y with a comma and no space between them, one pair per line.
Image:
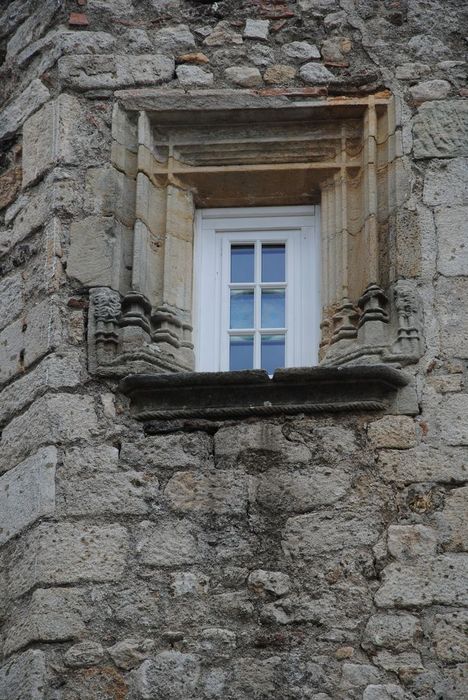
113,71
27,339
57,418
62,553
440,130
24,676
21,107
27,492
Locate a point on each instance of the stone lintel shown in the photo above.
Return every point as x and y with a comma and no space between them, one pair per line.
253,392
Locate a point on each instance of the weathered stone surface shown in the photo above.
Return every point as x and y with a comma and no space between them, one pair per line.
451,419
53,372
175,39
19,109
26,340
189,583
244,76
93,251
307,536
441,581
167,544
335,49
253,676
407,542
51,419
24,677
407,662
66,553
218,492
393,431
261,55
452,521
315,74
130,652
452,309
301,51
412,71
13,14
440,130
186,451
193,76
60,42
27,493
171,674
450,639
392,631
453,251
91,483
87,653
301,490
260,437
11,293
358,676
33,27
423,464
278,74
446,182
256,29
113,71
52,614
383,692
430,90
218,642
275,582
221,35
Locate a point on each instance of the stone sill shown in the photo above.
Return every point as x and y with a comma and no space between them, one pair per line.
219,395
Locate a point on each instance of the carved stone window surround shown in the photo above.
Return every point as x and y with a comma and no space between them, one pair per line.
174,151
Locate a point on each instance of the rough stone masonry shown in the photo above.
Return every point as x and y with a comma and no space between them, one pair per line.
307,556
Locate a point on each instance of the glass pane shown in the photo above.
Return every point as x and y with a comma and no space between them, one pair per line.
242,263
273,305
241,352
242,308
272,352
273,262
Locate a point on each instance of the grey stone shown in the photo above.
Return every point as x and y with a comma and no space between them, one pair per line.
301,51
452,520
53,614
407,542
316,74
260,437
138,41
112,71
440,130
451,419
394,631
217,642
91,483
446,182
449,636
33,27
298,608
276,582
171,675
58,43
453,248
383,692
412,71
11,294
186,451
306,536
175,40
118,8
451,307
55,418
26,340
130,653
335,49
193,76
301,490
256,29
261,55
66,553
18,110
93,251
189,583
86,653
428,48
255,677
218,492
53,372
14,13
167,544
27,493
24,677
423,464
440,581
221,35
407,662
430,90
358,676
244,76
393,431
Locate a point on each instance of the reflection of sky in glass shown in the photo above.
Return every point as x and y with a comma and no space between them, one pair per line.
273,308
272,352
273,262
242,263
242,308
241,352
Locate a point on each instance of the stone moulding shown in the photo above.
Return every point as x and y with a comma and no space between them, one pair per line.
219,395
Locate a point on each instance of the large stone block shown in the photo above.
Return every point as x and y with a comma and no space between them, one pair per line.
26,340
24,677
171,675
176,451
440,581
11,298
33,27
61,553
452,420
254,439
114,71
307,536
440,130
53,372
27,493
19,109
409,542
93,258
168,544
423,464
393,431
446,183
57,418
218,492
91,483
300,490
52,136
453,520
451,234
52,614
396,632
451,306
450,638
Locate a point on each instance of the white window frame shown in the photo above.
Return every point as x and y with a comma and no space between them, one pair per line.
214,230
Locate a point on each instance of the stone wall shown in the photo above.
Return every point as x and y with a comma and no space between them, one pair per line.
306,557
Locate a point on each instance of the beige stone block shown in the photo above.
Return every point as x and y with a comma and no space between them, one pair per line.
397,432
451,223
452,420
452,520
93,250
222,492
423,464
451,306
449,636
440,129
171,543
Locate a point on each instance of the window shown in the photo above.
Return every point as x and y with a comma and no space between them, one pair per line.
256,295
